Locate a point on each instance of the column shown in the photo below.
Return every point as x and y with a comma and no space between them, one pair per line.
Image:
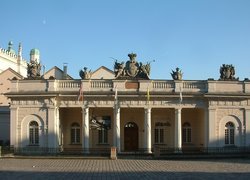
117,134
178,137
247,127
85,122
147,131
52,130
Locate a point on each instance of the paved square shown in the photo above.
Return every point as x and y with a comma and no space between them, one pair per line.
124,169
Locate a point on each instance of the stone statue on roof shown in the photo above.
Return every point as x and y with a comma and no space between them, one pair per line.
33,70
119,68
227,72
177,74
85,73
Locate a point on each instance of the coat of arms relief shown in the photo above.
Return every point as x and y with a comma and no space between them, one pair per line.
132,69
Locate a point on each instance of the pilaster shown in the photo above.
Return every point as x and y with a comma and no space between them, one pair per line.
211,127
13,126
247,127
53,143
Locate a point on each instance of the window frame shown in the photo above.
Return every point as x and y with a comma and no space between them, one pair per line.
229,134
159,135
75,133
33,133
102,136
186,133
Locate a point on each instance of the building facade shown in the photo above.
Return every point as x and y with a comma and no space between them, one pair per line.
10,59
130,112
12,65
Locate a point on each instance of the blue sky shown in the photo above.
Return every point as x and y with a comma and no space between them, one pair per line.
198,36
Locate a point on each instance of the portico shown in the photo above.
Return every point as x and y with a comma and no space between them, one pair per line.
129,112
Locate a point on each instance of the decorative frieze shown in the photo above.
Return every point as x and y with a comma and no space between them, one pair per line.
228,103
34,102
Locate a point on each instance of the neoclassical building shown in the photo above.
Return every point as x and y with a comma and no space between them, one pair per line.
126,109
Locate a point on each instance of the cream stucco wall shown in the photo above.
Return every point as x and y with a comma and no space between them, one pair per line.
164,115
195,117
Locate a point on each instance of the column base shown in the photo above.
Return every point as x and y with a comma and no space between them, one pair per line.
148,151
85,151
178,151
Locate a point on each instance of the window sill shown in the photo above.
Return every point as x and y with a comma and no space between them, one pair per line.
187,144
230,146
103,144
161,144
75,144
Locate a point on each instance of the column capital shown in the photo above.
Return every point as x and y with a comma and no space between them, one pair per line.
86,109
85,106
116,105
147,109
85,103
178,108
247,109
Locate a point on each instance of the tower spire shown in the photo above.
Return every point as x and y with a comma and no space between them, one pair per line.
20,50
10,49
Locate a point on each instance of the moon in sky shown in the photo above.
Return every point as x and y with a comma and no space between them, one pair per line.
44,21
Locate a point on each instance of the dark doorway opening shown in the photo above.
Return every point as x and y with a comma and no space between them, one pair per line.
131,137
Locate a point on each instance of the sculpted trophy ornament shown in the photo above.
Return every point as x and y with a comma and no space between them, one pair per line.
85,73
132,69
227,72
177,74
33,70
119,69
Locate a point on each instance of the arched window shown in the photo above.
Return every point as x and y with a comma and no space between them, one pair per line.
75,133
186,133
229,133
33,133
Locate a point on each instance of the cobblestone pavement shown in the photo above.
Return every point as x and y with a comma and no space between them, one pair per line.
124,169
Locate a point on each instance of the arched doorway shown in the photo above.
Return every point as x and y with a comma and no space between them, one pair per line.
131,137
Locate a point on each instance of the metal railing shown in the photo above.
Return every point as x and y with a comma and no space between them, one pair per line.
157,151
6,150
160,151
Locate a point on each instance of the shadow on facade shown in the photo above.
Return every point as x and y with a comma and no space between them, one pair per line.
158,152
217,151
